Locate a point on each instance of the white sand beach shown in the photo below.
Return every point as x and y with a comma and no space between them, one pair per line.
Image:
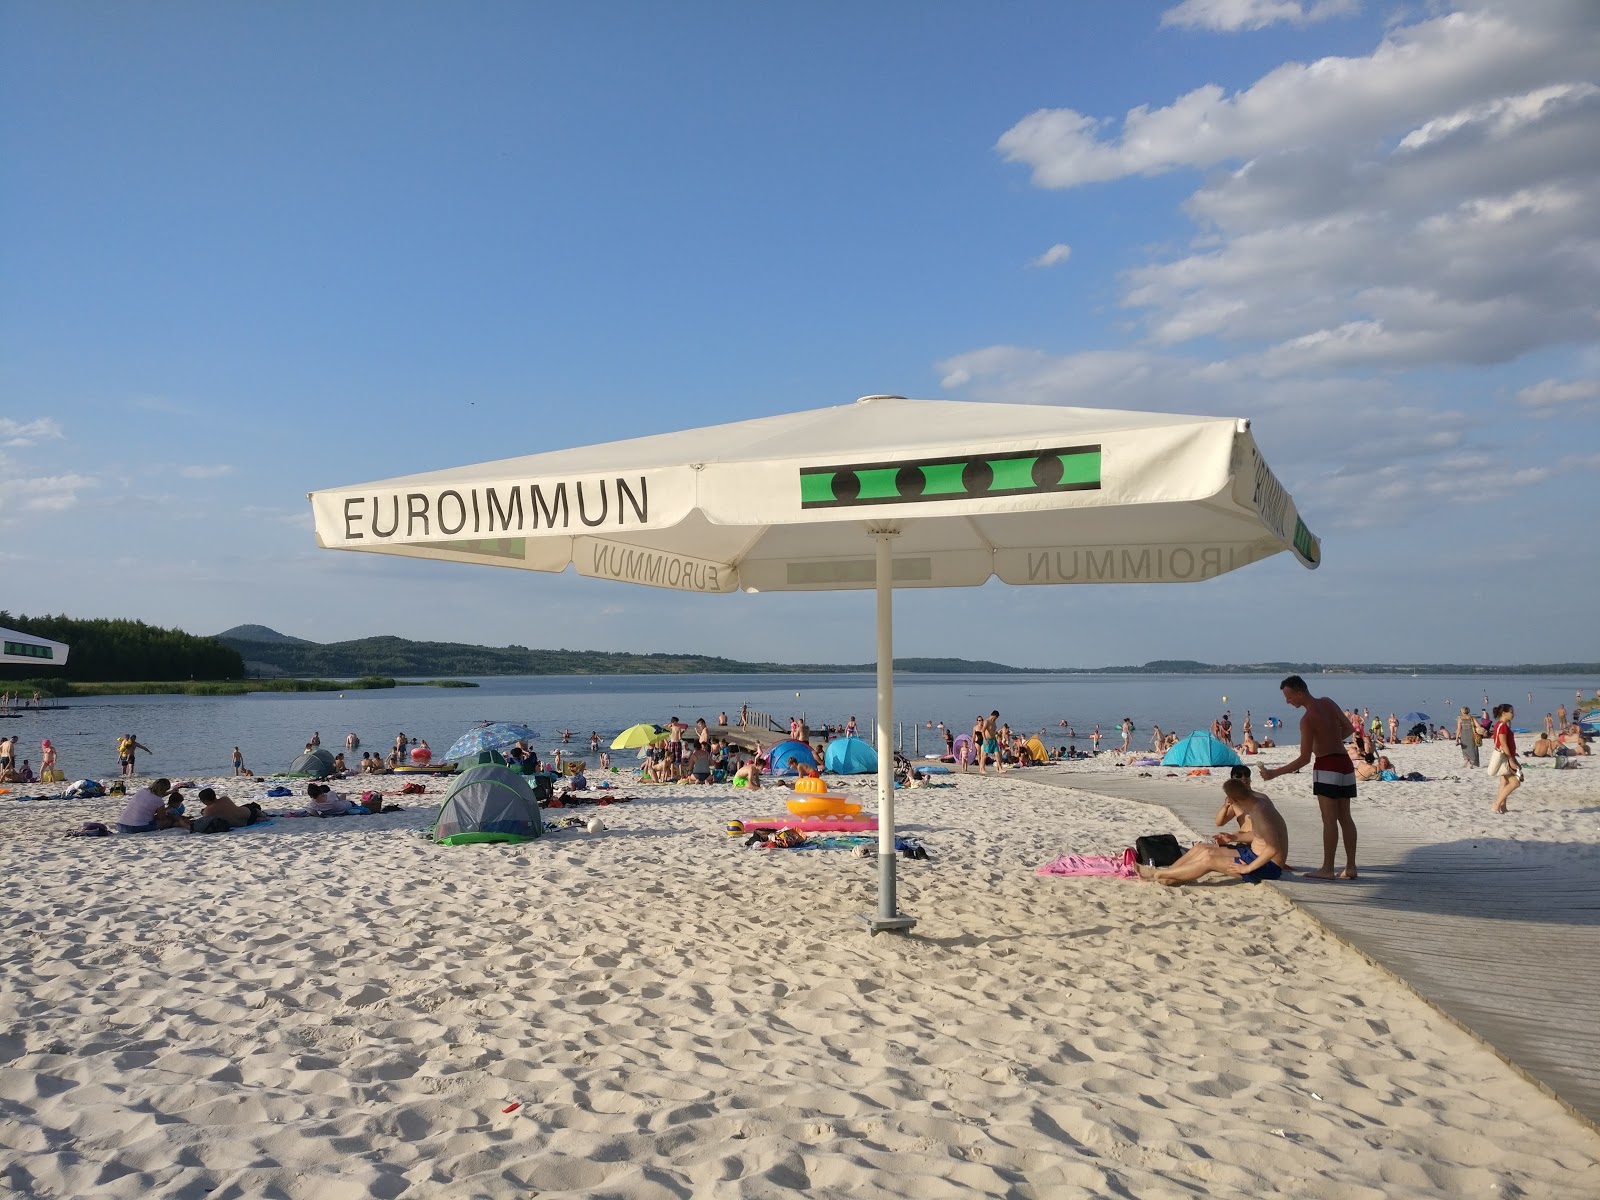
338,1008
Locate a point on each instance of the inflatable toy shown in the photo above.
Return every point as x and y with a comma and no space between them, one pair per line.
810,783
813,824
421,756
823,806
419,769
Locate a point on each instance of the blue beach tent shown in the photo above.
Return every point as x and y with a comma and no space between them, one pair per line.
851,756
1200,749
783,757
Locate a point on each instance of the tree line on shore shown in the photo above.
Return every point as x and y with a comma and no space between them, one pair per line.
115,650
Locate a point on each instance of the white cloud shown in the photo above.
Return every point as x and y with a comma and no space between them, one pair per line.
1425,204
17,434
1059,253
1230,16
39,493
1356,453
209,472
1550,394
1417,73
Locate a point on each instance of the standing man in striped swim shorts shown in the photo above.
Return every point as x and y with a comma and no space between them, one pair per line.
1323,731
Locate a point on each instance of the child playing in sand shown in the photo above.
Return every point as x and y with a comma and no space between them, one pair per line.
1263,858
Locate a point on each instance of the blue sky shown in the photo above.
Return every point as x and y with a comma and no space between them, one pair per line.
256,249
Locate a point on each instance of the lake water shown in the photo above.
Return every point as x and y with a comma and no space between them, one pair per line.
193,735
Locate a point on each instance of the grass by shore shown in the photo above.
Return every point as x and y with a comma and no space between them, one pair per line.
60,688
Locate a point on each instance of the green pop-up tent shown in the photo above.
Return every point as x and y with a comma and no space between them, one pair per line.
488,804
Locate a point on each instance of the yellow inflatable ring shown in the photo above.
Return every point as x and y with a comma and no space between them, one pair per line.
824,806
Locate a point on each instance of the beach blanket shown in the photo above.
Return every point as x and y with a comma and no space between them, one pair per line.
1090,864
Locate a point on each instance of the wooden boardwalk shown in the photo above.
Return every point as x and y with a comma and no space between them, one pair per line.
1510,951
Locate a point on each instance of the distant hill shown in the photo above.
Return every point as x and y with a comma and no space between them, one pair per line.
258,633
280,655
268,653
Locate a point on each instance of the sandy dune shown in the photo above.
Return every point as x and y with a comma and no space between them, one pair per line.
340,1009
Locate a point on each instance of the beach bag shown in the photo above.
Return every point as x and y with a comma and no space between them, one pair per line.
1158,850
1496,760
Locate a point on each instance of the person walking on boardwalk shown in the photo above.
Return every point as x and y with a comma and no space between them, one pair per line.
1323,730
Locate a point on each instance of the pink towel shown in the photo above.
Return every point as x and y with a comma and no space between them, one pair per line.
1091,864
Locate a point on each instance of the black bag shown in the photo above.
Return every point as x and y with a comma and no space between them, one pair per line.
543,789
1158,850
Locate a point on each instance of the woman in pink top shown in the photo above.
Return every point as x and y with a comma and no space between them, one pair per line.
1506,767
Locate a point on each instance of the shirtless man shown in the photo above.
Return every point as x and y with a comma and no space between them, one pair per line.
1228,812
238,816
1323,731
990,746
128,747
1262,859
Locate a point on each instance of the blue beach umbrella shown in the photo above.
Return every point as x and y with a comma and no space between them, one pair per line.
491,735
1416,718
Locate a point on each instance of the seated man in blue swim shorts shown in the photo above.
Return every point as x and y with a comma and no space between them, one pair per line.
1263,858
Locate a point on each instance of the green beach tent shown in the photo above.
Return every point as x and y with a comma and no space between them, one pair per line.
488,803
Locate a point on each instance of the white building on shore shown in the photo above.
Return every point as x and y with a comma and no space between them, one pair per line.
26,650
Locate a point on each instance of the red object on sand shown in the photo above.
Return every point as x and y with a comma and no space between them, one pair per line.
421,755
513,1106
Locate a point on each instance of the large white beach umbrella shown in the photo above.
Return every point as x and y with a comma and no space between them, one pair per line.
883,493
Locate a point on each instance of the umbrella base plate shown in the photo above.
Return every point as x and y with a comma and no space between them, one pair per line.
878,924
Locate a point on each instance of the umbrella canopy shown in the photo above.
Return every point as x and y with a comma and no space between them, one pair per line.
1412,718
883,493
638,736
491,735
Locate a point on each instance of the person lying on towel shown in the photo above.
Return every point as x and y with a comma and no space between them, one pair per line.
1263,858
236,815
